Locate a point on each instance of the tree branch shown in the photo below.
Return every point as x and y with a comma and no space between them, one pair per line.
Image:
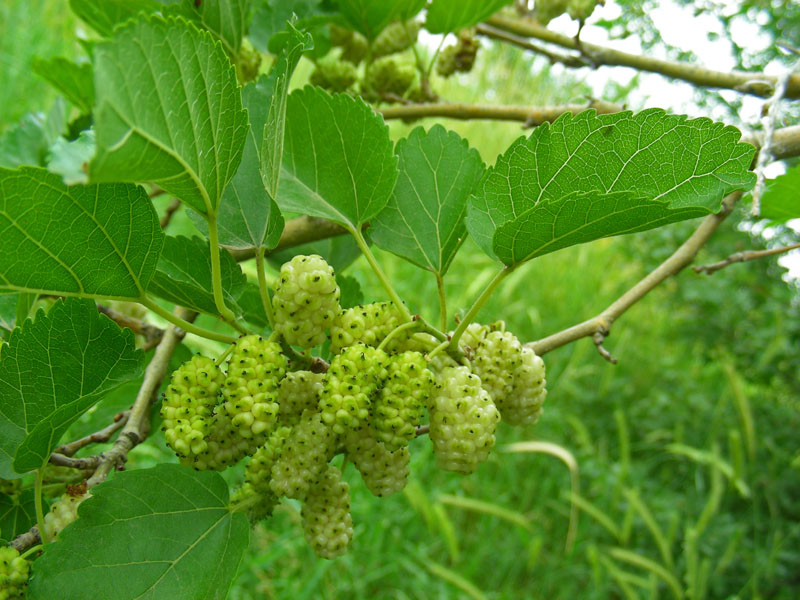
102,436
151,333
743,257
301,230
601,324
568,60
758,84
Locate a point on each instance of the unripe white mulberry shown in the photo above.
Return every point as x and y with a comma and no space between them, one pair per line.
524,405
495,361
306,300
463,421
298,391
10,487
327,524
368,324
395,38
14,572
384,472
62,512
259,470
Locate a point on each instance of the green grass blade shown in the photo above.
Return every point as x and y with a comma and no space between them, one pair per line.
456,580
649,565
488,508
658,535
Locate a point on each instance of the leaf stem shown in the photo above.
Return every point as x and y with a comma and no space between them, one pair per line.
216,275
476,307
438,349
362,243
221,358
397,330
37,498
442,301
262,287
183,324
31,550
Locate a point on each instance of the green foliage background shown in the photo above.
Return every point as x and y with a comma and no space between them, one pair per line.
698,420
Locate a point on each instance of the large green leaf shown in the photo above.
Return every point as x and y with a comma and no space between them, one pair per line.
29,141
86,240
424,220
227,19
54,369
446,16
370,17
781,200
74,81
168,111
17,515
184,275
338,162
148,534
687,164
104,16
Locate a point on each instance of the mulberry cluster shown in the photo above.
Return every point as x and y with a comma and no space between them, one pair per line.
368,324
334,75
14,572
62,512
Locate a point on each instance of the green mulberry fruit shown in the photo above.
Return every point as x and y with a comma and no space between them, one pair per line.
62,512
258,506
463,421
250,392
400,405
10,487
352,378
386,79
306,300
368,324
547,10
496,360
259,470
302,461
395,38
327,524
188,404
297,392
225,447
336,75
14,572
524,405
459,57
354,45
384,472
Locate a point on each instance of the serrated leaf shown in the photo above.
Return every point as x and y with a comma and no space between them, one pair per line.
86,240
70,159
582,217
104,16
168,111
53,369
226,19
781,200
152,534
74,81
17,515
688,164
447,16
338,162
370,17
29,141
184,275
339,252
270,21
424,220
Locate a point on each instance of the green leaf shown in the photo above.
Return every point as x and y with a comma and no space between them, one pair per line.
270,22
686,164
70,159
226,19
370,17
447,16
249,300
104,16
781,200
338,162
8,310
85,240
74,81
581,217
54,369
28,142
274,127
184,275
148,534
352,294
168,111
17,515
424,220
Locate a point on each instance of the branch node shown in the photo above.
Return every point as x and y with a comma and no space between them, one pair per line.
598,338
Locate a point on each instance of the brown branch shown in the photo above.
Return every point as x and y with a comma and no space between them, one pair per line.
301,230
758,84
151,333
739,257
671,266
98,437
171,210
568,60
26,540
90,463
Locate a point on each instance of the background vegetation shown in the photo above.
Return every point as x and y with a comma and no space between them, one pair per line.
686,451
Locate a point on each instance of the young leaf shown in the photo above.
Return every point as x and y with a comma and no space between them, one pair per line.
338,162
104,16
581,217
370,17
688,164
71,79
69,159
17,515
447,16
168,111
226,19
54,369
184,275
28,142
424,220
781,200
85,240
165,532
